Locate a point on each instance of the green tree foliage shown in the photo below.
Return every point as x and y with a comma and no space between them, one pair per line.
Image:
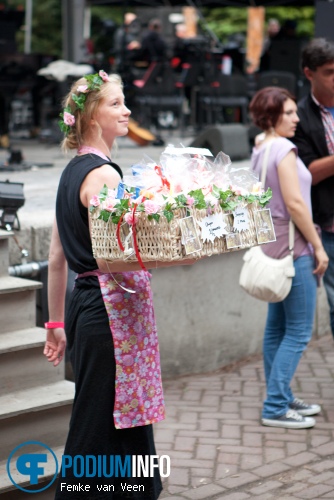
304,17
224,22
46,26
228,21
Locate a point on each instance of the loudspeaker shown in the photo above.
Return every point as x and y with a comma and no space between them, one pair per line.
231,138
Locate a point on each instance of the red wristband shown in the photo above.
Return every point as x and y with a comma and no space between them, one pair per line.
53,324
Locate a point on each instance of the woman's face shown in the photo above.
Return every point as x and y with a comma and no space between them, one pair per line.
112,115
287,122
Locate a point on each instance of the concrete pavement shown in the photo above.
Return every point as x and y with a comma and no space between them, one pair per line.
212,433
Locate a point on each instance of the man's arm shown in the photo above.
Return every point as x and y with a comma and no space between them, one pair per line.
311,143
321,169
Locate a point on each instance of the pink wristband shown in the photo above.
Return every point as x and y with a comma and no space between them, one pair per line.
53,324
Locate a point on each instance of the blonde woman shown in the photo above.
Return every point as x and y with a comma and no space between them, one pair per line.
110,333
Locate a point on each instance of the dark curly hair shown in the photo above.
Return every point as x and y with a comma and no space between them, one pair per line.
317,52
267,104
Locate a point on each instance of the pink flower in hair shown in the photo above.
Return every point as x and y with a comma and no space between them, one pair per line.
95,201
69,119
82,88
130,218
104,76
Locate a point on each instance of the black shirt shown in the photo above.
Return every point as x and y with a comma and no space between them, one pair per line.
72,216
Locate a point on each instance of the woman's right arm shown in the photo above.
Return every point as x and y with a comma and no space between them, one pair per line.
298,210
55,344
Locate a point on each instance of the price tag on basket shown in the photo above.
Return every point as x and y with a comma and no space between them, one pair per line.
213,226
241,219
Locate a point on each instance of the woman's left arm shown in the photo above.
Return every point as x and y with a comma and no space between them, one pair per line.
298,210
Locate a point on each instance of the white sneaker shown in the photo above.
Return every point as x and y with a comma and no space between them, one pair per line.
291,420
303,408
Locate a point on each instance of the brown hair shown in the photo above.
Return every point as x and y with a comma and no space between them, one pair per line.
77,133
266,106
317,52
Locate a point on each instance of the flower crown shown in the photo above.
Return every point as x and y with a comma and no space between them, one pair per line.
94,82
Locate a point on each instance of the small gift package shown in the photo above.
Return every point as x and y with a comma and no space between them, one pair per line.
188,205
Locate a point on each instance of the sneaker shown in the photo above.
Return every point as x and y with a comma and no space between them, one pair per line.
291,420
303,408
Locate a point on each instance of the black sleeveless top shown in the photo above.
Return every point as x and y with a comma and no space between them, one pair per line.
72,216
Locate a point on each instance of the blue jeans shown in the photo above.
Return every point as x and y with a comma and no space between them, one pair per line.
288,330
328,242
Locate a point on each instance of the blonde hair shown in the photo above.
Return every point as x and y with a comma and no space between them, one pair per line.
77,132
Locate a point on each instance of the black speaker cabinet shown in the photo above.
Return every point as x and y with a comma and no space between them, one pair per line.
230,138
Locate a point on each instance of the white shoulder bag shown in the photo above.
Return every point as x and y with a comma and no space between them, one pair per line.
261,276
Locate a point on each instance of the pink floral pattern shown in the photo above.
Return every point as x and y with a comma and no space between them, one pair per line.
139,396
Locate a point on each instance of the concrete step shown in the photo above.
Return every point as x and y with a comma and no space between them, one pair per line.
12,284
22,363
36,414
8,491
17,303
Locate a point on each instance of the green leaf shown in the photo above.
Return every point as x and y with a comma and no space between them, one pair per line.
155,217
181,200
63,127
266,197
229,205
199,198
104,215
103,194
79,100
115,218
224,195
168,214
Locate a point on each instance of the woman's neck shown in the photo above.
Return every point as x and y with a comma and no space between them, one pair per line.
99,144
270,134
265,136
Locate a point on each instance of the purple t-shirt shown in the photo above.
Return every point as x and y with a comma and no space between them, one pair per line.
279,149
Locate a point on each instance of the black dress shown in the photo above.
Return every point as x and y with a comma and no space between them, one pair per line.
91,351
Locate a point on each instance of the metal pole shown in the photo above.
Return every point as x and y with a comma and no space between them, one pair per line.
73,27
28,27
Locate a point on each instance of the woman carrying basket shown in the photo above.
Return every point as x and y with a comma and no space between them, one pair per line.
110,332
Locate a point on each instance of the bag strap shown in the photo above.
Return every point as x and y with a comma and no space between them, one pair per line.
291,236
263,181
265,163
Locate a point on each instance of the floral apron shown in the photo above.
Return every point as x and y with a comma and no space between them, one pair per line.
138,387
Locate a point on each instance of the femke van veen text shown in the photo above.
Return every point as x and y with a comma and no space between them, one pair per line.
102,487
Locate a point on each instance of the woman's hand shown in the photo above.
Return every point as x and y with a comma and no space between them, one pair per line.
55,345
321,259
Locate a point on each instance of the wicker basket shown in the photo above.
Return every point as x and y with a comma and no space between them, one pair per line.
161,241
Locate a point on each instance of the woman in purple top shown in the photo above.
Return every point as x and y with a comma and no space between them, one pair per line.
289,323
